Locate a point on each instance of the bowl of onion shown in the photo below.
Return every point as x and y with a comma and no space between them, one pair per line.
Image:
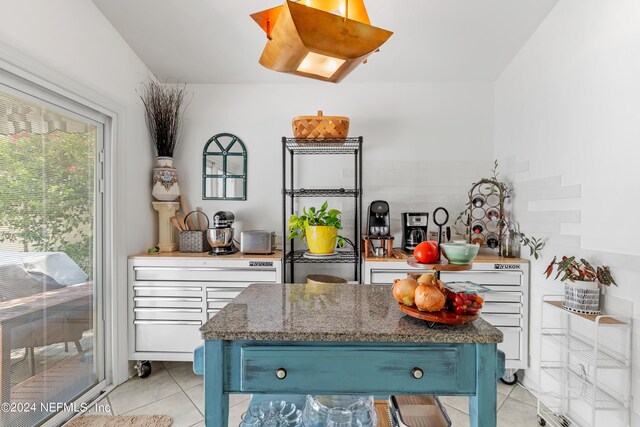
425,293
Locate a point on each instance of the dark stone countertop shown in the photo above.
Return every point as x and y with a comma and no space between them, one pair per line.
348,313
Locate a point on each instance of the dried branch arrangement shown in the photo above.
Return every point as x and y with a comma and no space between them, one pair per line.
164,106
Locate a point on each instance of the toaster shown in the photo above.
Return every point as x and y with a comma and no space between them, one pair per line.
257,242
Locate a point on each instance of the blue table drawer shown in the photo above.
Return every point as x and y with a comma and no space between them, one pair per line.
317,369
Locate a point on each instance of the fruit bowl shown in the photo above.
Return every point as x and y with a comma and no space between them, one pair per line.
459,253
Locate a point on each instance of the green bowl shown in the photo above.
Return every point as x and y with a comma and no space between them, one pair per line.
459,253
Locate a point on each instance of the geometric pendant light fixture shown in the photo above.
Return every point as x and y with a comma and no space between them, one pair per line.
319,39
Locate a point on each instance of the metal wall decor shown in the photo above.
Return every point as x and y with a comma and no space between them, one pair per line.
486,213
224,168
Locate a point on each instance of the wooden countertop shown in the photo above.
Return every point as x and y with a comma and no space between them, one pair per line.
277,255
480,259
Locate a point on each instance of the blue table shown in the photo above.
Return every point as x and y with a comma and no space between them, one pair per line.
342,339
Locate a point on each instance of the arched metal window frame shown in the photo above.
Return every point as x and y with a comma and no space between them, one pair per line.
224,152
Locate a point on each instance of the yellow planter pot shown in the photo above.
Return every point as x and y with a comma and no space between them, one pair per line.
321,239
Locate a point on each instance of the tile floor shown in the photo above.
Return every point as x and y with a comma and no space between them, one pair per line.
173,389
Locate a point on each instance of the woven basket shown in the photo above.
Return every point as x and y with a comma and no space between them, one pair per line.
320,127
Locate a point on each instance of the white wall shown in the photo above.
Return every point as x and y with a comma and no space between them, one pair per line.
72,38
566,110
423,143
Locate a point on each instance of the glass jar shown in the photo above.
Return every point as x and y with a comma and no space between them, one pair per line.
510,245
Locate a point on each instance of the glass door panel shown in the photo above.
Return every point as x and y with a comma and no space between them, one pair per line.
49,265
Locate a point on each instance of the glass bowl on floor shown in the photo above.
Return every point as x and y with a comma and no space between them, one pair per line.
275,413
339,411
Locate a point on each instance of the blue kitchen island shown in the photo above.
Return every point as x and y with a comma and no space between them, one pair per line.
290,339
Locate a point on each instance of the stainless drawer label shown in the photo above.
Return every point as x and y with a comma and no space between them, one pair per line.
506,266
260,263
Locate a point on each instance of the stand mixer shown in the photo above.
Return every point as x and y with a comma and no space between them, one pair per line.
220,236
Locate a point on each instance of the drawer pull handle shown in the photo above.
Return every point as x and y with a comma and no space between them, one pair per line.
417,373
281,373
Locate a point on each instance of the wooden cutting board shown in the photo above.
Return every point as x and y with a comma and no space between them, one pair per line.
443,316
382,408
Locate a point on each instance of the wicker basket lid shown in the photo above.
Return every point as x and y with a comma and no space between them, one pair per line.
322,116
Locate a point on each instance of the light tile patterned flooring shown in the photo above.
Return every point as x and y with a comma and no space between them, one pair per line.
173,389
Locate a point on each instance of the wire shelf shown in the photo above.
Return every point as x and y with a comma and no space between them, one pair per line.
323,192
581,388
585,350
340,257
323,146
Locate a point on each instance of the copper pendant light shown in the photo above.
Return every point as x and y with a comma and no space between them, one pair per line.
319,39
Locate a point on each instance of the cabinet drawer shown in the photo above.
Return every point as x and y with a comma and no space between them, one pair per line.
511,344
502,319
217,303
230,292
502,307
177,336
167,302
206,274
503,297
506,278
339,369
150,289
168,314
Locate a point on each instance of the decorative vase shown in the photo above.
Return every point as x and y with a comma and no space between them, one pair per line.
510,247
165,180
321,239
582,297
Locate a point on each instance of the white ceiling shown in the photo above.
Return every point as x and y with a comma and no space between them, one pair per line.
215,41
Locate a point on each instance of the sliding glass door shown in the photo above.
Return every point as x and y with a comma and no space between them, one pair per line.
51,342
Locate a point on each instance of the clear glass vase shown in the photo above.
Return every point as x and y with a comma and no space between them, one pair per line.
510,245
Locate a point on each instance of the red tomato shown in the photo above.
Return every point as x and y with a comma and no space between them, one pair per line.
426,252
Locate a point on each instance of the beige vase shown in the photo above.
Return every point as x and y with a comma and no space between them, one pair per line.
165,180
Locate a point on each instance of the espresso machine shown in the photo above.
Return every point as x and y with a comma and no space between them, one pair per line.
414,229
378,221
220,235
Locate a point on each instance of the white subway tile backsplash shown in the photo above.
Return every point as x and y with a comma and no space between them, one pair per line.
571,191
561,216
547,182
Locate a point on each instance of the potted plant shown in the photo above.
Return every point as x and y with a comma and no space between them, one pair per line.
319,227
164,106
581,283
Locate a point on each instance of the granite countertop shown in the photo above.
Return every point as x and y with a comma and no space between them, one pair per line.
353,313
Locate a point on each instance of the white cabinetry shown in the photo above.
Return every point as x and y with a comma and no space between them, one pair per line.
172,296
585,365
506,307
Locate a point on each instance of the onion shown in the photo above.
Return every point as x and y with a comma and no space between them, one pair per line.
429,298
404,291
427,279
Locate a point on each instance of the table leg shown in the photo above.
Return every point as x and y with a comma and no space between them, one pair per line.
216,401
482,406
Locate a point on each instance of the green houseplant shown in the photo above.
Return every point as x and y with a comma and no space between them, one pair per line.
581,283
319,227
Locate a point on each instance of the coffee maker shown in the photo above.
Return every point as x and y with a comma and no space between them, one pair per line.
220,236
414,229
378,221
